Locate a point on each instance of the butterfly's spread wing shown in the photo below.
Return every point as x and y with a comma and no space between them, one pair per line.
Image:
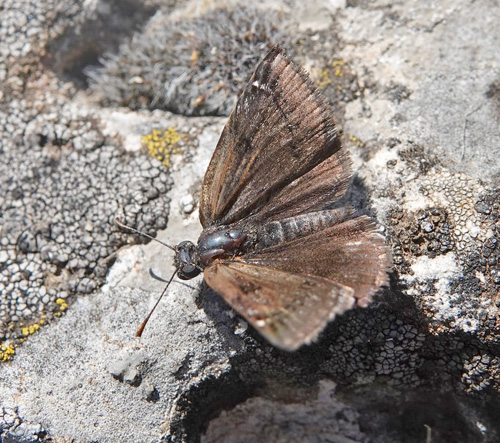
288,309
279,153
330,244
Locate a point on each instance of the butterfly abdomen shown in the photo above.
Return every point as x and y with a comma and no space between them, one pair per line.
288,229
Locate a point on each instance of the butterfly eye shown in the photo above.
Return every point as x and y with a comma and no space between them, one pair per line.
188,272
186,259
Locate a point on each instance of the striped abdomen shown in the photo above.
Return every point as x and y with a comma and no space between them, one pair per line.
302,225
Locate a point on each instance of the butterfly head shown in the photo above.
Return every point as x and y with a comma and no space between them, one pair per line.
214,243
186,260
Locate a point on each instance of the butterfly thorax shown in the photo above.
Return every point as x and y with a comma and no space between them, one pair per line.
217,242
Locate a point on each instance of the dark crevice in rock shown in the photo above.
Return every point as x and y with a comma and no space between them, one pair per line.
81,46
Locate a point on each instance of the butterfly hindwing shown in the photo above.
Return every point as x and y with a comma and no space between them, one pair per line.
287,309
279,153
332,244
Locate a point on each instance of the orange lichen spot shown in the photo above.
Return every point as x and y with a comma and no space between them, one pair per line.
220,86
7,352
162,144
200,100
195,55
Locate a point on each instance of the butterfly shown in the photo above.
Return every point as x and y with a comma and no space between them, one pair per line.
271,245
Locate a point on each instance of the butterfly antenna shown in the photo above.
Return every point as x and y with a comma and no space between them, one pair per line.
144,323
123,226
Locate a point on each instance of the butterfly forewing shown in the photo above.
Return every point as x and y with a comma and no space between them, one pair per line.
318,188
280,130
287,309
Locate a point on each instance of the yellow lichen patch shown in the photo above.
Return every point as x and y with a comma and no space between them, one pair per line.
62,304
323,78
356,141
335,68
337,65
7,352
29,330
162,144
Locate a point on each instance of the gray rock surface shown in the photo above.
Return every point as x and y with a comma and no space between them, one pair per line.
416,90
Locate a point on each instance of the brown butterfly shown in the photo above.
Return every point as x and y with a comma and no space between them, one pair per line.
269,246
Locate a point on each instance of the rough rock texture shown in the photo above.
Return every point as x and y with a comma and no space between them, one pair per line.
415,88
58,211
